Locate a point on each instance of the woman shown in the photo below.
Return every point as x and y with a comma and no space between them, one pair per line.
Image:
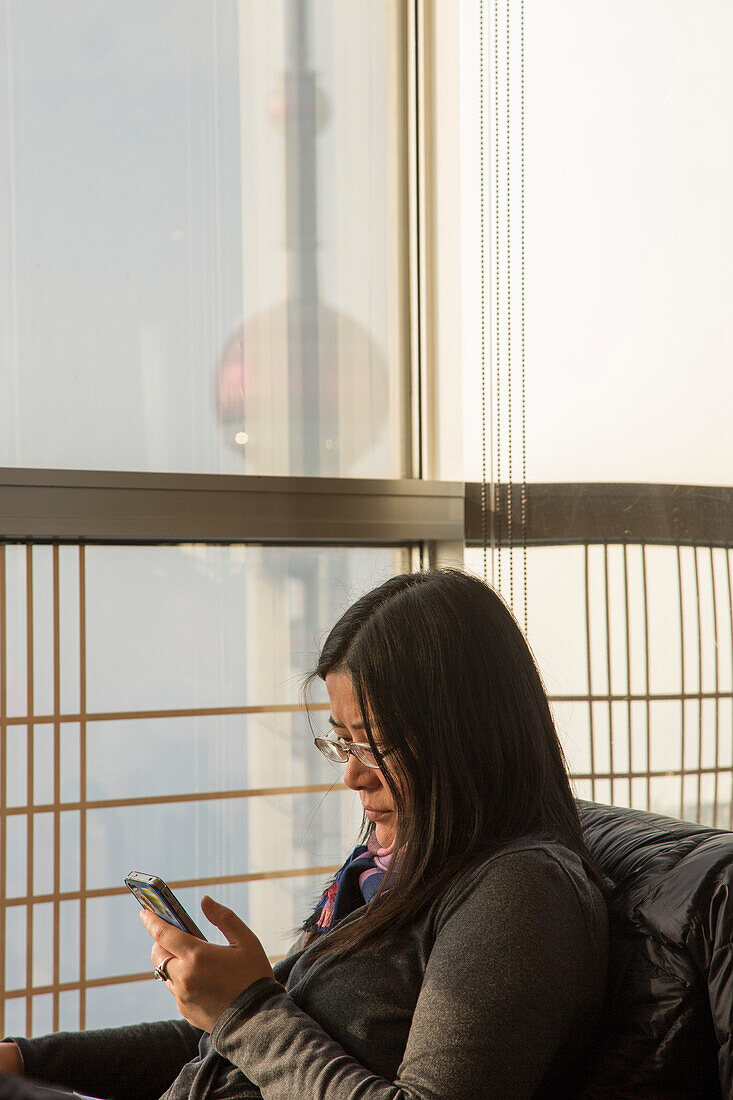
459,953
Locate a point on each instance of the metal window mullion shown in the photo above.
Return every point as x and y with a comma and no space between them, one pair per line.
82,792
698,618
629,717
683,712
3,779
646,679
591,731
729,588
417,191
717,686
609,672
399,233
56,789
30,793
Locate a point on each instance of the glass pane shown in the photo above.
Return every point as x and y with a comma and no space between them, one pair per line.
210,753
128,1003
16,919
69,1010
629,231
193,798
623,671
215,837
198,215
214,626
596,176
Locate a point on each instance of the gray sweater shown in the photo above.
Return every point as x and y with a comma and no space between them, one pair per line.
491,992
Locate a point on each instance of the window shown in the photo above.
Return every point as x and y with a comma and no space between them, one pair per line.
207,412
597,337
200,237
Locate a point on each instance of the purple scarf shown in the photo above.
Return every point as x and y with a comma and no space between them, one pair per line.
353,884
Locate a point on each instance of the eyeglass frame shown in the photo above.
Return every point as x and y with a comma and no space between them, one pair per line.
348,747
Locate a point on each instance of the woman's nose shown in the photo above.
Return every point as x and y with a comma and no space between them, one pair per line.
357,775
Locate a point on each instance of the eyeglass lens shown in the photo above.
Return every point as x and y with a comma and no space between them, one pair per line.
337,751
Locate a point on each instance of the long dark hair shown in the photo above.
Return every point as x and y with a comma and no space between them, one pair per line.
442,671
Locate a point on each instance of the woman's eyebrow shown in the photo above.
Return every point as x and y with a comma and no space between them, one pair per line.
341,726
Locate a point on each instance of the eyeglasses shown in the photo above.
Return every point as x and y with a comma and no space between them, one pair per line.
338,750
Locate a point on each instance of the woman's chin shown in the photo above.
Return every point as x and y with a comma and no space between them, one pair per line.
385,831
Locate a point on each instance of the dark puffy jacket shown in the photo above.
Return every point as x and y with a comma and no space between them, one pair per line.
667,1026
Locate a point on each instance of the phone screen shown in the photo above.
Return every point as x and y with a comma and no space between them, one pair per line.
152,893
152,900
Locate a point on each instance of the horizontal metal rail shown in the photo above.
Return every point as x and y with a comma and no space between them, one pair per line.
177,884
658,773
562,514
171,799
94,506
93,983
136,715
89,506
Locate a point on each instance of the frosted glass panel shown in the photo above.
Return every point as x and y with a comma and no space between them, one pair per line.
195,212
124,784
210,752
639,680
211,626
629,232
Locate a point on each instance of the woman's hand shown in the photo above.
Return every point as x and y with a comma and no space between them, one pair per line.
205,978
10,1058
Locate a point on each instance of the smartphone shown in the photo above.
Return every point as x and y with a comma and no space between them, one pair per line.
153,894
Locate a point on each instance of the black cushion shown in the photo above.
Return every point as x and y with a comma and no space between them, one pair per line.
666,1030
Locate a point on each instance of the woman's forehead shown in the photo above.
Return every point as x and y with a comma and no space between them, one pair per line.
345,708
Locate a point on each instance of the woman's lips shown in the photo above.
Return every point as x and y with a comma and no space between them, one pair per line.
376,815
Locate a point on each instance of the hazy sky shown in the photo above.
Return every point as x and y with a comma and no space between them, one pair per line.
629,238
142,191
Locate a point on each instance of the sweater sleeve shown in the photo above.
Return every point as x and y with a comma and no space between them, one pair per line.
516,966
120,1063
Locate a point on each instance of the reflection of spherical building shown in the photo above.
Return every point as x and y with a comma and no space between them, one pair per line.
304,389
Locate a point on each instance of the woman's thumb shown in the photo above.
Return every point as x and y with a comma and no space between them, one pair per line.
225,920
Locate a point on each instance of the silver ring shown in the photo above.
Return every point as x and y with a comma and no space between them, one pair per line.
161,972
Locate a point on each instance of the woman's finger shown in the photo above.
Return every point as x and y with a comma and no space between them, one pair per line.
158,954
166,961
174,940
